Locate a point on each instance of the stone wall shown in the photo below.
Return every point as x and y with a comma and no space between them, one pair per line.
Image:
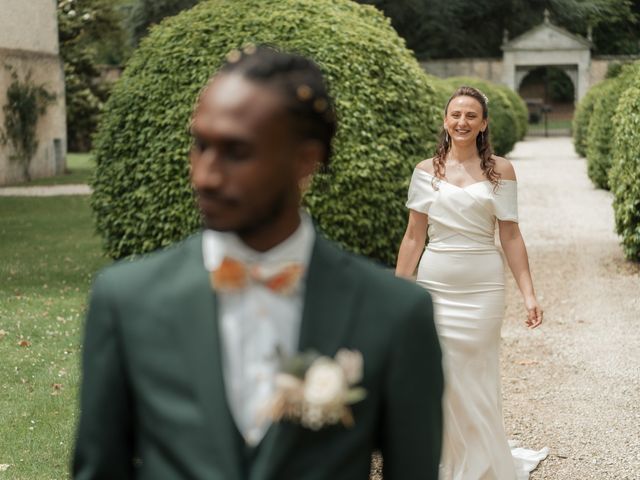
29,44
599,65
486,68
492,68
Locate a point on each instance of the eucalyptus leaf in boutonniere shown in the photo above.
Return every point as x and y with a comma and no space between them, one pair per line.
317,390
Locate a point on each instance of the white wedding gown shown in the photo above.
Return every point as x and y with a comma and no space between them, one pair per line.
463,270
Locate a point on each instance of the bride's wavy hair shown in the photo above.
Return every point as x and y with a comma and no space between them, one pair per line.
487,162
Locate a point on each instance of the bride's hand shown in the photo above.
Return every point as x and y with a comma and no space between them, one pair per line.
534,313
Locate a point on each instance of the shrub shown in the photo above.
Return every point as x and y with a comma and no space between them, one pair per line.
600,130
581,119
87,30
388,121
502,117
443,91
625,171
519,107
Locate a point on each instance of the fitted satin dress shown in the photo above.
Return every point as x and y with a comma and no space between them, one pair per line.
463,271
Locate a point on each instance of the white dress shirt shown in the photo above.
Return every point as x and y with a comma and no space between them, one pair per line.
256,321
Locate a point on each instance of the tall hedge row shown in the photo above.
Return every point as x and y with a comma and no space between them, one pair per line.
388,121
599,139
600,132
624,177
581,118
503,120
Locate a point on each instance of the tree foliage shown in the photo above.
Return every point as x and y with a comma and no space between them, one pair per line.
88,29
388,121
145,13
466,28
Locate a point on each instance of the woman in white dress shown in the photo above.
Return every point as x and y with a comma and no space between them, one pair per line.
457,198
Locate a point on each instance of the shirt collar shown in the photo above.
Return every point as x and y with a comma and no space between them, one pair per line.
296,248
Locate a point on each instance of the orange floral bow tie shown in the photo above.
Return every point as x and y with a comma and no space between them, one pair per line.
233,275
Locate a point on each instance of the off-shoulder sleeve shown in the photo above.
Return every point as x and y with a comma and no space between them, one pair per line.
421,192
506,201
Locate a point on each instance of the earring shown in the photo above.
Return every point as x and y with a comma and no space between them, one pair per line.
446,136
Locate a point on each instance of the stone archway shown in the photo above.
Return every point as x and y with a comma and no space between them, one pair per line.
543,46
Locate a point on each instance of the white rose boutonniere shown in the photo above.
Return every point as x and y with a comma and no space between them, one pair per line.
316,390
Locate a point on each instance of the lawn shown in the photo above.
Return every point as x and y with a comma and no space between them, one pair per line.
48,256
80,167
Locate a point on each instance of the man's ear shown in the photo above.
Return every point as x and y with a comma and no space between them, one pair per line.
310,157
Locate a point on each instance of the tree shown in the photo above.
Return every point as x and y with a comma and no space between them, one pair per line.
467,28
145,13
86,28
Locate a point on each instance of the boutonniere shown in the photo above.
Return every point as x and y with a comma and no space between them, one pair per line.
316,390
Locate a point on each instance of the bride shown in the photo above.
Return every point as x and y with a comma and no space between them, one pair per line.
457,197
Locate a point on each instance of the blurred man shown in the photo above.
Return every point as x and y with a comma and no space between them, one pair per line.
183,349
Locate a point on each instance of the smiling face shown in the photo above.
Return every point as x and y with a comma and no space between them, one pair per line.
464,119
246,160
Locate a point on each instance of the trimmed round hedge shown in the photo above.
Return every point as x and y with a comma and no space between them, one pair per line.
388,121
503,122
625,172
519,107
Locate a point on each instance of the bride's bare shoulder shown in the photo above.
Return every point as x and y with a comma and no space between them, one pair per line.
426,165
504,168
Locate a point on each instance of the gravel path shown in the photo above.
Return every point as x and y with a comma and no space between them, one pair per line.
45,191
574,384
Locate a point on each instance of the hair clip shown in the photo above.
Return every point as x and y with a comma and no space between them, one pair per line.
304,93
249,49
320,105
234,56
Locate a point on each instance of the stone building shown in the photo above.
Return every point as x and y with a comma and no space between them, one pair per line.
29,46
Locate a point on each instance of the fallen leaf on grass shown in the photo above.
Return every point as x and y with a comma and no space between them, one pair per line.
3,334
24,343
57,388
4,467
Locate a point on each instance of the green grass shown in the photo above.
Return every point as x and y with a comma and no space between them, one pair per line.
48,256
80,167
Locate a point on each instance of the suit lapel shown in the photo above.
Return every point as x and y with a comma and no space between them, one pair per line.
201,343
330,295
329,300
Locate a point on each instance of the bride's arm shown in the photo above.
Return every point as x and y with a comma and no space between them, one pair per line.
518,260
412,244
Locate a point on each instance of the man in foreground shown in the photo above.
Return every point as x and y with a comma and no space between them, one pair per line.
256,349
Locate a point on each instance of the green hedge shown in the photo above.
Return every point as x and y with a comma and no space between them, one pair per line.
386,109
502,116
600,132
624,176
519,107
599,140
443,91
581,119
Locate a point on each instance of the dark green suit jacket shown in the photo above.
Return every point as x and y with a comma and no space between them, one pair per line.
153,404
